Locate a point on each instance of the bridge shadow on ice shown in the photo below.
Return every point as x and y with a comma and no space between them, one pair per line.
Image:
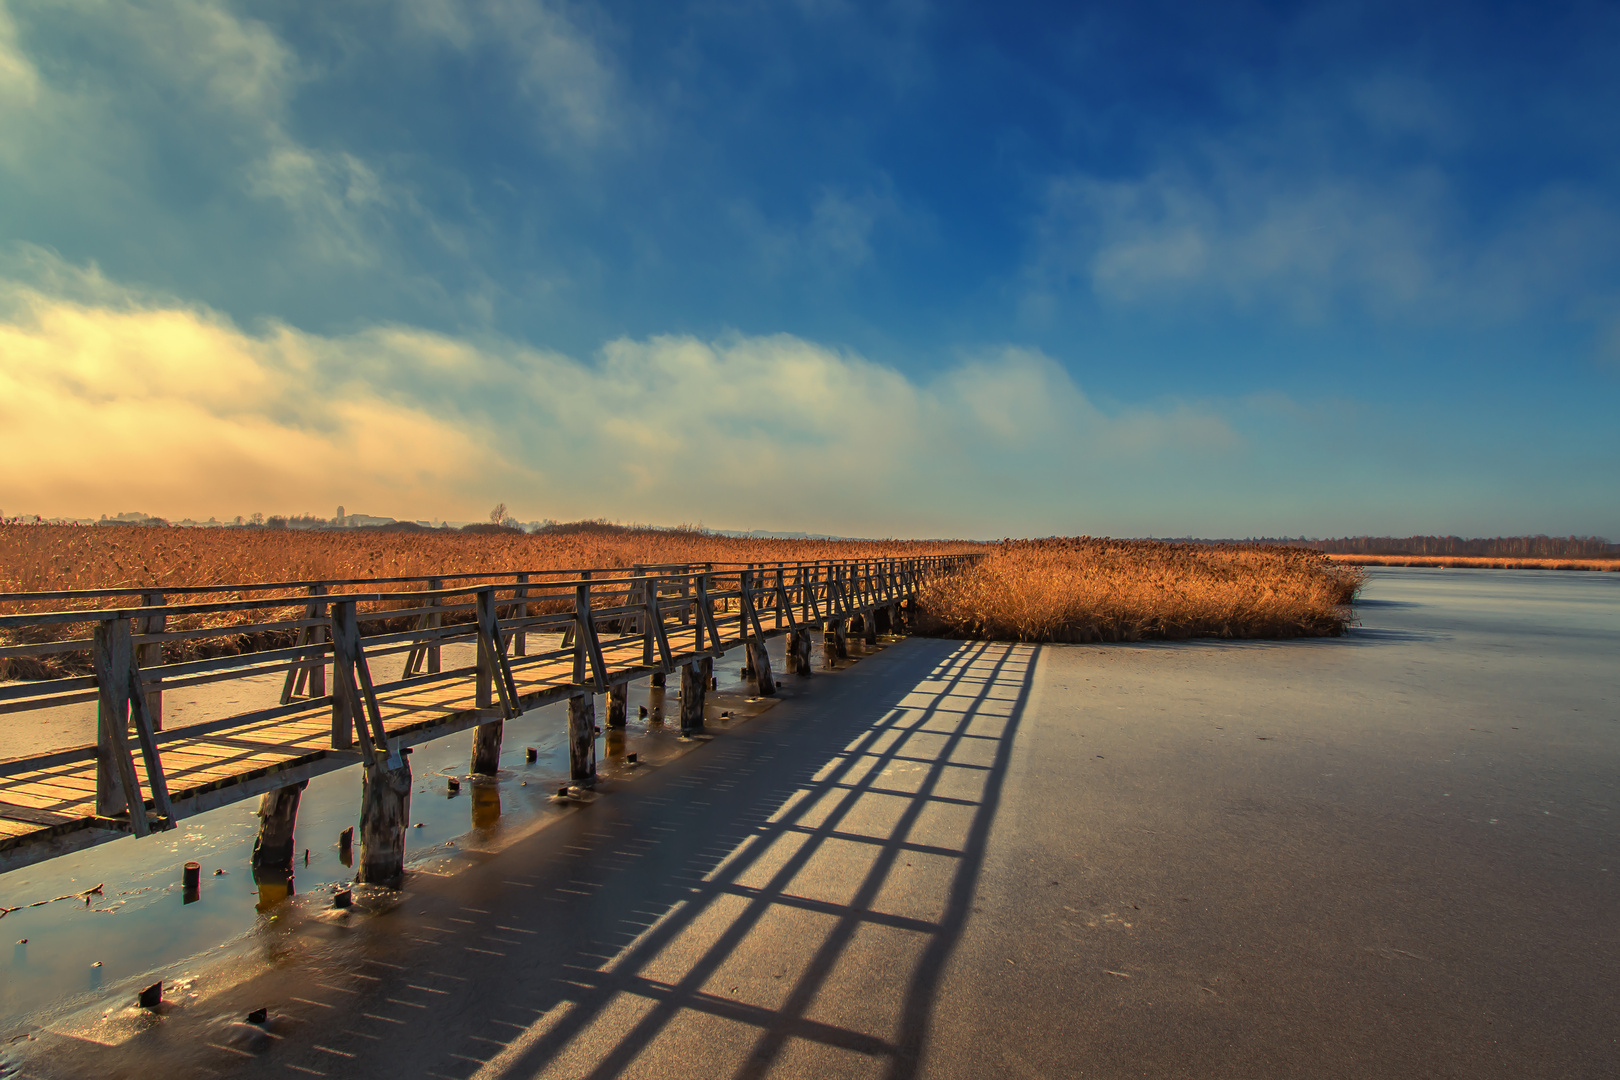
786,904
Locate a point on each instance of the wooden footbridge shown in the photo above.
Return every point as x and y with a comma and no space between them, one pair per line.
537,637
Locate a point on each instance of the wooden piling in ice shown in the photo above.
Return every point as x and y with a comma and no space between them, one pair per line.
385,811
694,686
582,738
278,816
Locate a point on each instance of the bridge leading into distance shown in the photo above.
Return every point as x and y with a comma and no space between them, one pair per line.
529,639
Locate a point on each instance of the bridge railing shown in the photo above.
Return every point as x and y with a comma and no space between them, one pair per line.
366,652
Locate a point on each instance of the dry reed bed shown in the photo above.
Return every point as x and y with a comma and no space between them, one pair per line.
1083,589
1477,562
40,558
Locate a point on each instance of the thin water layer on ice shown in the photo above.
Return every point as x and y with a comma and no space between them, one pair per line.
69,955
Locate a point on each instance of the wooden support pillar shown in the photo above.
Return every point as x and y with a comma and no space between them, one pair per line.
385,814
869,627
897,623
694,686
278,814
841,638
618,704
761,662
582,739
659,680
799,651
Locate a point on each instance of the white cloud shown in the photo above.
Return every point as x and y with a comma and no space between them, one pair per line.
115,396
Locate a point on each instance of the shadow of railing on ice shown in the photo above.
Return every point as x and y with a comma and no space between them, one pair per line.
881,845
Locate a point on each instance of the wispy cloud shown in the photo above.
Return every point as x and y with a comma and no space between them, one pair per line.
553,62
1272,214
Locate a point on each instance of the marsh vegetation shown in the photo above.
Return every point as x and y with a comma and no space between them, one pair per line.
1080,589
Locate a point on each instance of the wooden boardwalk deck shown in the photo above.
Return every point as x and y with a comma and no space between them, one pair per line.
619,629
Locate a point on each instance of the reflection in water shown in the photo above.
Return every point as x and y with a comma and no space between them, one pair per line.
275,885
486,805
613,743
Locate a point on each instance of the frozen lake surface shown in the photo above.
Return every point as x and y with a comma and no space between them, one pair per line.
1383,855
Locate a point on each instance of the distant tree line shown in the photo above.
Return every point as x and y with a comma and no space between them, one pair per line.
1496,547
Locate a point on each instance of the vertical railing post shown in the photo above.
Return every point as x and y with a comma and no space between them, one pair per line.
520,610
784,607
639,595
345,694
434,621
484,676
117,789
701,605
151,655
122,699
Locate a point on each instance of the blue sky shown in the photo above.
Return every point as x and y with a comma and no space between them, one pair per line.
904,268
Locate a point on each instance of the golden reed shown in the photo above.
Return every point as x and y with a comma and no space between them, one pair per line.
1081,589
38,558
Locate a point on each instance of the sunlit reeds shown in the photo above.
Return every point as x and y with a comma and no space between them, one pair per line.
38,558
1083,589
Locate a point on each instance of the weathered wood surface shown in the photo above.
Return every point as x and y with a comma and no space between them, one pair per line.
580,636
